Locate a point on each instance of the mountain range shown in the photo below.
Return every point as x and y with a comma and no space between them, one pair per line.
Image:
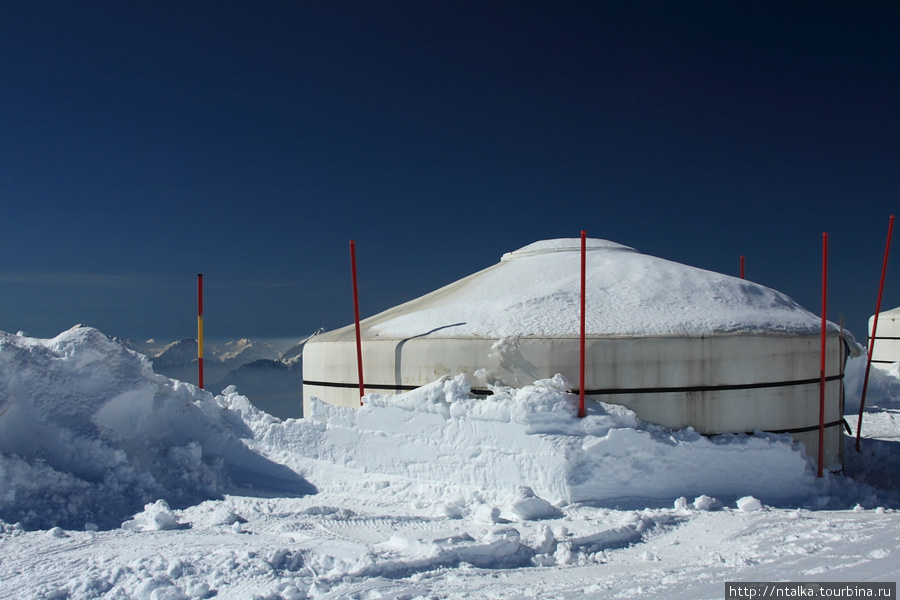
272,380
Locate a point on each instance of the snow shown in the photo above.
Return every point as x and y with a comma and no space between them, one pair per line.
155,517
535,291
532,437
92,417
117,482
245,351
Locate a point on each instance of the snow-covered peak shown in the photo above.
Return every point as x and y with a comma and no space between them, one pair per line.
294,354
245,351
177,353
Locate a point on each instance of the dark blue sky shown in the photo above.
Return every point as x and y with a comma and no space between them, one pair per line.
142,143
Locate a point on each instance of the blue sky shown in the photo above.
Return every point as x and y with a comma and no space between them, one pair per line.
142,143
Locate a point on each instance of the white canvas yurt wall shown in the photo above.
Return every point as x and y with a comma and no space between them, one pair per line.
680,346
886,350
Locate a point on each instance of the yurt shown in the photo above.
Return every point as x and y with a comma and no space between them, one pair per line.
886,350
680,346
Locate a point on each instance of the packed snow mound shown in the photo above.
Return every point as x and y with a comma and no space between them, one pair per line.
89,433
536,291
527,450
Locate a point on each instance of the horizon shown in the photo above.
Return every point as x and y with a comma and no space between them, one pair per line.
285,342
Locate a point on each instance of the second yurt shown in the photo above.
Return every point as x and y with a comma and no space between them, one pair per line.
886,349
680,346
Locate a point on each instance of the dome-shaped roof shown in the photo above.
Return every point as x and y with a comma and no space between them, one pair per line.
564,245
535,291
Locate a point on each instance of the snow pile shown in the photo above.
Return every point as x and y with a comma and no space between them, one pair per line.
89,433
157,516
527,450
536,291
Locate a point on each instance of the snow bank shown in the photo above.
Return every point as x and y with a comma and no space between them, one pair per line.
527,450
89,433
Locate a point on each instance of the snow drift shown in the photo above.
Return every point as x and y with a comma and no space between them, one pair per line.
89,433
532,438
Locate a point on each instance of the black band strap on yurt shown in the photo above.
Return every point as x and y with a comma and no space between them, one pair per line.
619,391
369,386
707,388
804,429
604,391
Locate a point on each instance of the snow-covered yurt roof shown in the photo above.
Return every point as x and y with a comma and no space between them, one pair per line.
535,291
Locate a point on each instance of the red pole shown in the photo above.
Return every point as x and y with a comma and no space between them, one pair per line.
742,266
359,361
581,410
862,400
200,330
822,353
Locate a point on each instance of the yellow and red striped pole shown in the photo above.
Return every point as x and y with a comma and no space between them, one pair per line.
200,329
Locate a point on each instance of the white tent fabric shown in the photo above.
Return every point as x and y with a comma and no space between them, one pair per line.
886,348
680,346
